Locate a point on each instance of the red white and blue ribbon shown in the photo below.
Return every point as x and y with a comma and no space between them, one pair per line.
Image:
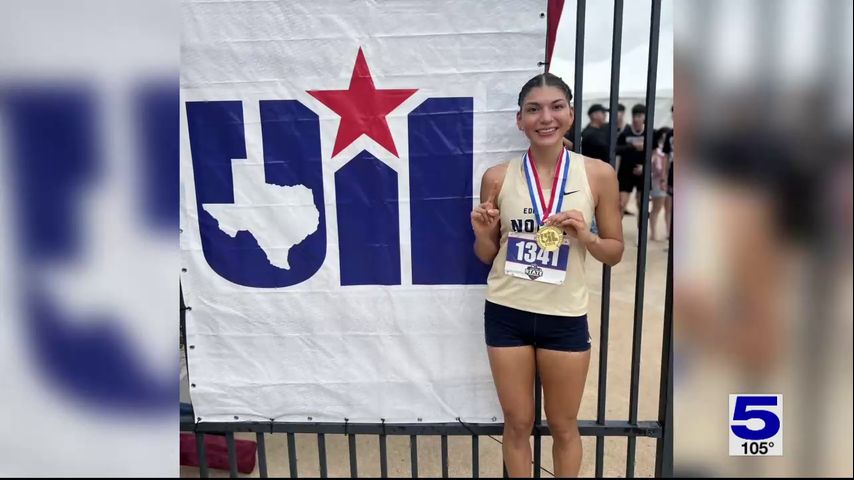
542,210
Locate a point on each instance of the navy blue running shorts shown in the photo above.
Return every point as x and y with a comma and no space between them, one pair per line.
509,327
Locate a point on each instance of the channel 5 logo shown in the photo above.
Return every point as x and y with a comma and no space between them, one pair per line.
755,425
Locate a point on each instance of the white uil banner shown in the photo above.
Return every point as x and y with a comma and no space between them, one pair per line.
331,152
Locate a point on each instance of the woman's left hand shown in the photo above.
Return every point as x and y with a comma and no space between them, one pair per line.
572,222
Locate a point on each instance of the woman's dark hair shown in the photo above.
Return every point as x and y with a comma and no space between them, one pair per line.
545,80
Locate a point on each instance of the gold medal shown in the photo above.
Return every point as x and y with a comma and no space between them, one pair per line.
549,238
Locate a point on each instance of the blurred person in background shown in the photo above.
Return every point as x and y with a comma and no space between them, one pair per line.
630,145
594,137
621,125
668,200
658,188
596,133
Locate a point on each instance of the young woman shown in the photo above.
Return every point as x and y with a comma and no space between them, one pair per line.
533,227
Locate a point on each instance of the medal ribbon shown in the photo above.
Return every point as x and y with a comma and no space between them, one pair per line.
541,209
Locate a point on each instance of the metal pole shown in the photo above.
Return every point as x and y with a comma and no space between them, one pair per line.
605,321
579,73
643,214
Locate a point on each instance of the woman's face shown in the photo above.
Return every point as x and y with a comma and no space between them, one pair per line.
545,116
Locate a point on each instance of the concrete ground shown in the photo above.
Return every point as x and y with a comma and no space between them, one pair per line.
623,280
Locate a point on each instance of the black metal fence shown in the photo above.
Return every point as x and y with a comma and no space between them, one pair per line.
661,428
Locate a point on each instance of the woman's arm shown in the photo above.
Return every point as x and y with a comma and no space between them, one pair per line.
607,247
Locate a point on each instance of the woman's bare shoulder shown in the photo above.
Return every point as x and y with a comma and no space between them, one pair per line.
493,180
498,169
496,172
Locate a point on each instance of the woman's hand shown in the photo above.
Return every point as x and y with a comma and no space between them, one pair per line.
484,217
572,222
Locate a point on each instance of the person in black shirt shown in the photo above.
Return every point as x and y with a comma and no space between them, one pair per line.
594,137
595,148
630,148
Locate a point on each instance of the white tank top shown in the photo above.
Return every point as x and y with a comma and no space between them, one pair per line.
568,299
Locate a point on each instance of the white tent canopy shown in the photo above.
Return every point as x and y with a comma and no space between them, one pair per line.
598,33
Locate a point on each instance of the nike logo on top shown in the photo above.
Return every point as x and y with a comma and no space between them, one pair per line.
572,191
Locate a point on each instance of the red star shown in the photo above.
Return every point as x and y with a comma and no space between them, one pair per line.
362,108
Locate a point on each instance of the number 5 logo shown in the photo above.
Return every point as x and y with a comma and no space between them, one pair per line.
755,407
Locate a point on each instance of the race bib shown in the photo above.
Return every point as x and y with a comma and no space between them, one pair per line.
525,259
